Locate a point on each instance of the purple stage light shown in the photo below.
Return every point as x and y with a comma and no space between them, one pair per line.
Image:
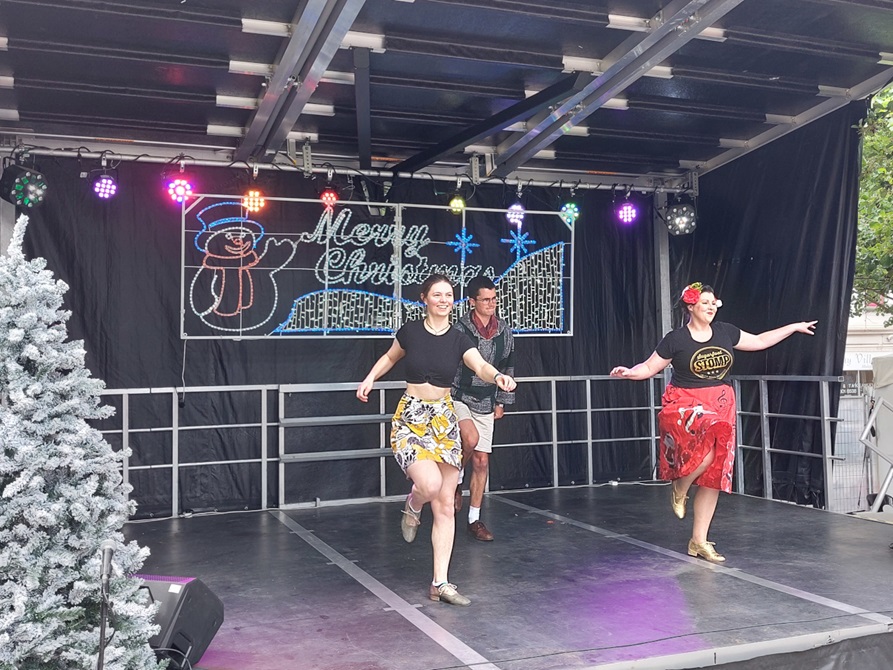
105,186
627,212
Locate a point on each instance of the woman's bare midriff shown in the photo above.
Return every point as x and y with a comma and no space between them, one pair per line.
426,391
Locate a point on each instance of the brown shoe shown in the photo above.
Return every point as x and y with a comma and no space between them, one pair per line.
447,593
457,501
479,531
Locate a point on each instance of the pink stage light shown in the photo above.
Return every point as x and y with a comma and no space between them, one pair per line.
179,189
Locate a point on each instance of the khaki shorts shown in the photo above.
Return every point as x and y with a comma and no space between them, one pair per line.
483,422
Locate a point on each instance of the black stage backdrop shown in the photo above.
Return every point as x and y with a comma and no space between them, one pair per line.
776,237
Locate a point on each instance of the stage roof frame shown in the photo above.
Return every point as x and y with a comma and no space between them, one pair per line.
642,92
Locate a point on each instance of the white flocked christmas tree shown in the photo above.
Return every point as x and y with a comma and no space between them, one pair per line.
61,492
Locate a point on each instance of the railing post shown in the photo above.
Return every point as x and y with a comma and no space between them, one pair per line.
382,441
739,453
652,422
281,446
553,388
175,454
264,484
125,439
589,468
828,468
766,441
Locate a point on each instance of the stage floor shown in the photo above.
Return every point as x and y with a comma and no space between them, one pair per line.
586,577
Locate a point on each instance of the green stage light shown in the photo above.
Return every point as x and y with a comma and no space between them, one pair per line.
569,213
681,218
457,204
23,187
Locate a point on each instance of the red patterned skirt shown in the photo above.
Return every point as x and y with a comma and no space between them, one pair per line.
692,423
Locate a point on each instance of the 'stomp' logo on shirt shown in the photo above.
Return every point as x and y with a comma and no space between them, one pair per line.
711,363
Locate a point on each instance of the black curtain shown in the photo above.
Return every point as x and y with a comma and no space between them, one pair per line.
121,259
776,238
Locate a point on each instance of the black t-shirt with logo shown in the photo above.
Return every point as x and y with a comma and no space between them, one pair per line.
700,364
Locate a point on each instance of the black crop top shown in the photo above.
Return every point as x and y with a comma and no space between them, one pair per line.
432,359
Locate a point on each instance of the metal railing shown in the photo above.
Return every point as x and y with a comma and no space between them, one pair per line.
824,419
557,436
881,495
383,449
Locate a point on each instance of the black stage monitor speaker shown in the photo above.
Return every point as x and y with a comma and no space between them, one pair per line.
189,615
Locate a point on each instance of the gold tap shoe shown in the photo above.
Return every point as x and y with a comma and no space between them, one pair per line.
678,503
705,550
410,521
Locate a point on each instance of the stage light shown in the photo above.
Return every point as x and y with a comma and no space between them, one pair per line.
22,186
179,189
329,197
515,214
681,219
569,213
253,201
105,186
457,204
626,212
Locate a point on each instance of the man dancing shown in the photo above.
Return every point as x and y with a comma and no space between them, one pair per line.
478,403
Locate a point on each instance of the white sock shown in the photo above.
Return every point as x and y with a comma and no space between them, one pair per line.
474,513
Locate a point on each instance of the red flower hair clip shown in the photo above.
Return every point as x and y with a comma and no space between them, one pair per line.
692,293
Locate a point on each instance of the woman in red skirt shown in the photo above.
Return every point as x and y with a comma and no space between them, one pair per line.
697,419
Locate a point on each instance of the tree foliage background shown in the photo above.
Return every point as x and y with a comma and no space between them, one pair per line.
873,283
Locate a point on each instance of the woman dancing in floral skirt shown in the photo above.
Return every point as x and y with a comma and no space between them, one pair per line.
425,429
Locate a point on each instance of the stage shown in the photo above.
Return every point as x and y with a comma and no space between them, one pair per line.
589,577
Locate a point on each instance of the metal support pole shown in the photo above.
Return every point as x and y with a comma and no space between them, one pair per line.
827,464
382,441
125,439
589,465
7,224
662,261
175,454
881,495
739,460
766,441
554,393
264,428
281,446
103,619
652,422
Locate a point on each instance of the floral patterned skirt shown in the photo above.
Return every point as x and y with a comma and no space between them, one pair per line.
692,423
425,430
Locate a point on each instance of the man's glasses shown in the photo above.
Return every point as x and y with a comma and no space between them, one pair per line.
484,300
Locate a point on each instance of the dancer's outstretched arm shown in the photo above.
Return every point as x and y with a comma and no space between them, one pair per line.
644,370
749,342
